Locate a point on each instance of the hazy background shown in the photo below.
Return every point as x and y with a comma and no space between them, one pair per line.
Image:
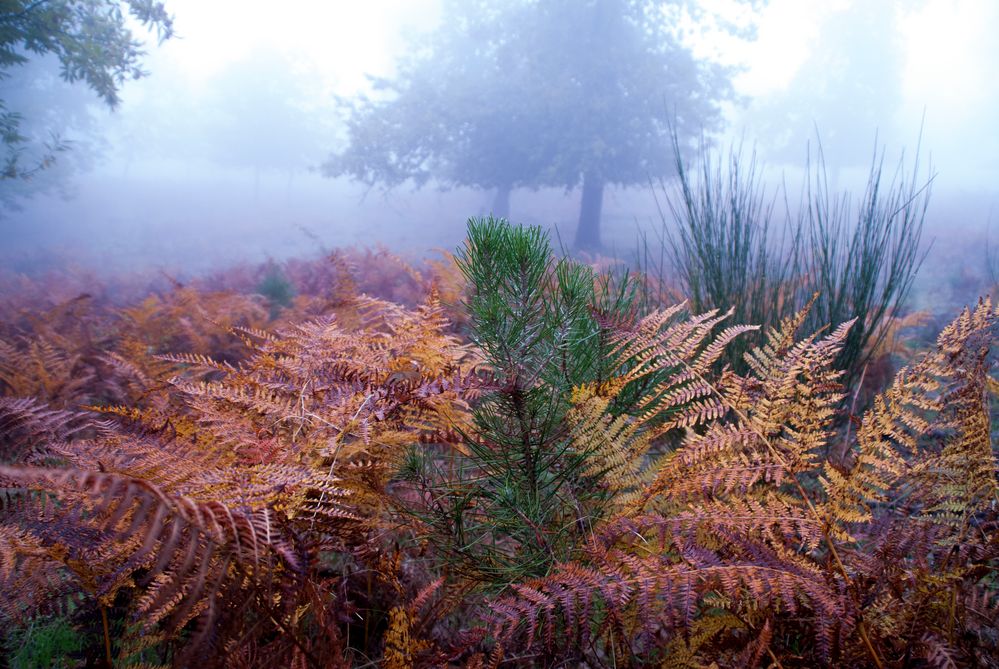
211,159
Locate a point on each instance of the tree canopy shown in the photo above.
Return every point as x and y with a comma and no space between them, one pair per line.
91,41
524,93
60,131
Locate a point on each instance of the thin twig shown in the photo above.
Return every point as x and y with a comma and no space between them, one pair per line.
107,635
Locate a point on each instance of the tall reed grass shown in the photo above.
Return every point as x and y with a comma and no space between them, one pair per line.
728,240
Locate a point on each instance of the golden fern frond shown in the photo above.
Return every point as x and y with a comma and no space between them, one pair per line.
777,341
943,390
44,366
795,395
671,358
250,336
962,480
684,650
735,468
878,464
783,422
399,646
256,397
725,512
616,447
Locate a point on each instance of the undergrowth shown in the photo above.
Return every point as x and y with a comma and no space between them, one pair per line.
529,465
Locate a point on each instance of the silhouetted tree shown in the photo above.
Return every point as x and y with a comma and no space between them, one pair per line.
93,44
526,93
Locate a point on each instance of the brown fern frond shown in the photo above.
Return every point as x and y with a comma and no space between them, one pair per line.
27,425
199,362
939,655
210,494
655,593
760,646
188,543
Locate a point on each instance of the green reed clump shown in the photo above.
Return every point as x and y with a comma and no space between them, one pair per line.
726,251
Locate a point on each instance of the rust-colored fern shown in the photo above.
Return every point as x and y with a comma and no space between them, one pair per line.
746,525
210,507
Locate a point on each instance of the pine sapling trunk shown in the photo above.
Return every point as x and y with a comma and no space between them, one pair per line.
590,206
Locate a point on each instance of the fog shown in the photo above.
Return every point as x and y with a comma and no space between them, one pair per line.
214,158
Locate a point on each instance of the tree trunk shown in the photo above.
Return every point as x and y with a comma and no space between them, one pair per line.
501,203
590,205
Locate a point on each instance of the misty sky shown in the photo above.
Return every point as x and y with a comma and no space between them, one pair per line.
208,158
947,47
